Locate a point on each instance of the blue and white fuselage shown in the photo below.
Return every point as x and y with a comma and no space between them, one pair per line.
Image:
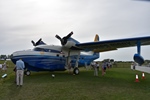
52,58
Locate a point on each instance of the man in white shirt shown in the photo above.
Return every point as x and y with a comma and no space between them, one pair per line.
20,72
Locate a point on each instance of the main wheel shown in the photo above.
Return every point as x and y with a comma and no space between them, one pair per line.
76,71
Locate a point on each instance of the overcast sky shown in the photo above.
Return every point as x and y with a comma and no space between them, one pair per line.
24,20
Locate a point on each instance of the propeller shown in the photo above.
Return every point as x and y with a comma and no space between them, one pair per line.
39,42
64,39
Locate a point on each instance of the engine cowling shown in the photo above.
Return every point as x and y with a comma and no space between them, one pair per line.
69,44
66,41
138,59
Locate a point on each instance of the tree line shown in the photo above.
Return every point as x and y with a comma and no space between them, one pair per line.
4,57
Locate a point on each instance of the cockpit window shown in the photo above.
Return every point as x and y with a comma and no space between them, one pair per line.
46,50
40,49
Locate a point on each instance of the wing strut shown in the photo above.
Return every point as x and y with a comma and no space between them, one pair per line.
137,57
76,65
139,47
76,70
68,60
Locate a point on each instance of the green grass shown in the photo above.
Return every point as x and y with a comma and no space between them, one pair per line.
117,84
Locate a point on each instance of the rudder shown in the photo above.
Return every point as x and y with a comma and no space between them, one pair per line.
96,39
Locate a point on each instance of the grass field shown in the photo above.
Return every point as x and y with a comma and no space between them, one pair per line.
117,84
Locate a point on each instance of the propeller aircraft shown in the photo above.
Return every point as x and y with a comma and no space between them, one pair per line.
72,53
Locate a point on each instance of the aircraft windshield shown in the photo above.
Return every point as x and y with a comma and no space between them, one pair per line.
41,49
46,50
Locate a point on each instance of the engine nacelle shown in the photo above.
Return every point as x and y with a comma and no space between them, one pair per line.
139,59
69,44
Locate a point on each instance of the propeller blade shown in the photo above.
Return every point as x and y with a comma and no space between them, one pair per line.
58,37
69,35
38,42
61,40
33,43
64,39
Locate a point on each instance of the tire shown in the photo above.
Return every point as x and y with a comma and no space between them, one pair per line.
28,73
76,71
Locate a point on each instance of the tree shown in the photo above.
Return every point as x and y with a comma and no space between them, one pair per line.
4,57
111,60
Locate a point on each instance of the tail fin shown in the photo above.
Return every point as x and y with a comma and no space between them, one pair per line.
96,38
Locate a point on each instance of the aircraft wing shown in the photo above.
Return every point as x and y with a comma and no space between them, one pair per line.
108,45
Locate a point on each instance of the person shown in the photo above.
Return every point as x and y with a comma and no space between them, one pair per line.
1,67
4,68
104,65
95,69
97,66
20,72
133,65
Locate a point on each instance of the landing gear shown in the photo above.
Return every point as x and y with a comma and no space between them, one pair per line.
68,63
27,72
76,71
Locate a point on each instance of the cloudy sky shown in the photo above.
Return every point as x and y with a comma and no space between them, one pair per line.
24,20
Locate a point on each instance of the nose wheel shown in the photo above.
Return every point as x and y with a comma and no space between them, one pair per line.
76,71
